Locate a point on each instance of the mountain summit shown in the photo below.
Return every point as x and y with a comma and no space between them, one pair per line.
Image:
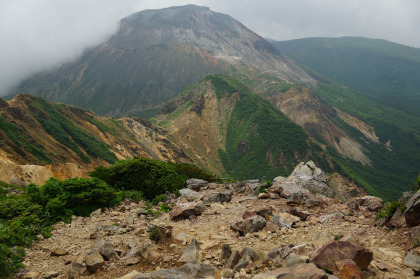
155,55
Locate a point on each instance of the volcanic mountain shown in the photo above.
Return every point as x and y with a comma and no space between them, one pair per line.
155,55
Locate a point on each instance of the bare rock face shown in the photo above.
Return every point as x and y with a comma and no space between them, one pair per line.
185,210
327,255
249,225
190,270
306,178
302,271
412,213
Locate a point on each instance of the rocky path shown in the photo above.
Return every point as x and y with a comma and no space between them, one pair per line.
116,242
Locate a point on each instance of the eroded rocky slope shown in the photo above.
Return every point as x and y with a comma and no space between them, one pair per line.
232,231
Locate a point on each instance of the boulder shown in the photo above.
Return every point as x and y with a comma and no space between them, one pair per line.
94,261
219,197
301,271
226,253
294,259
191,195
196,184
298,213
371,203
191,253
106,249
233,260
327,255
279,252
185,210
412,261
285,220
413,238
190,270
306,178
76,270
249,225
412,213
347,269
397,220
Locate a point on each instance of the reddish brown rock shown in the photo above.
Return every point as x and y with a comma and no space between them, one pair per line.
333,251
184,210
347,269
248,214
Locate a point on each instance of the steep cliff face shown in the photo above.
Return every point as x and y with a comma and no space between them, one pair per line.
41,139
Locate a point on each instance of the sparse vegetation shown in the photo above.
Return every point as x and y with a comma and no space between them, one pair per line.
389,209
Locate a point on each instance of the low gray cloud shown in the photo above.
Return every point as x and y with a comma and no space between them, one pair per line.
39,35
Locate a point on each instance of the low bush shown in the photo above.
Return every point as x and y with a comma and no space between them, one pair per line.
389,209
151,177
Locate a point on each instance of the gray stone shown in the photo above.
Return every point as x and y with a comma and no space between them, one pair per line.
196,184
219,197
227,273
191,253
191,195
294,259
412,261
106,249
226,253
306,178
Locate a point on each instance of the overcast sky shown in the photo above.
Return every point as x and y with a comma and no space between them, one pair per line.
36,35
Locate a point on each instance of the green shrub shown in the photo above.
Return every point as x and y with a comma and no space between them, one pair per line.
150,177
10,260
389,209
159,199
416,185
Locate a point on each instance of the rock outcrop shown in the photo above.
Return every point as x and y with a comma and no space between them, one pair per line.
306,178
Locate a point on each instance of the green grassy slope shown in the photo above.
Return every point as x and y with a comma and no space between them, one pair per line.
386,72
